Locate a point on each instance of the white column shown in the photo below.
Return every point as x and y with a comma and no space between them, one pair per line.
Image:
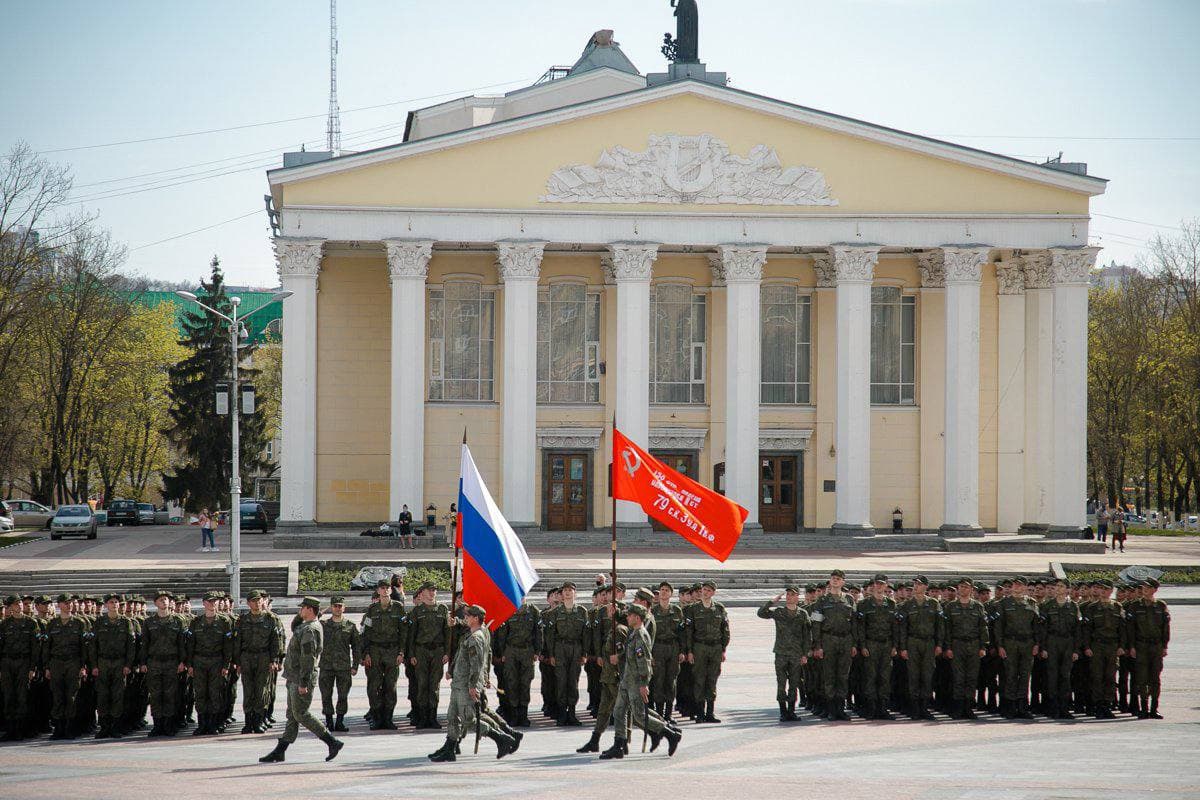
964,271
1068,513
632,264
931,377
854,268
408,264
1039,392
742,267
1010,411
299,262
519,263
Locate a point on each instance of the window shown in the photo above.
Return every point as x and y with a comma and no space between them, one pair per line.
786,346
568,346
461,332
893,347
677,345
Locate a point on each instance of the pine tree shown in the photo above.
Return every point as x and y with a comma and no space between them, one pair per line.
202,437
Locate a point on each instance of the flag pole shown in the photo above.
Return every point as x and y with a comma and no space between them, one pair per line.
612,490
454,570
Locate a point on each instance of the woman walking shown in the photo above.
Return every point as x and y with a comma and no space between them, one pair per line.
208,543
1117,528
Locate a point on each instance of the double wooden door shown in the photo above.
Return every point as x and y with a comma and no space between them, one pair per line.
778,493
683,463
568,481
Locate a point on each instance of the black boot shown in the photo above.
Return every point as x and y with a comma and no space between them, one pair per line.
573,720
672,735
914,709
523,717
335,746
202,726
881,711
431,718
329,721
340,724
783,712
386,721
1023,711
616,751
967,711
446,752
791,711
155,729
170,726
592,746
248,727
276,755
505,744
1153,713
709,708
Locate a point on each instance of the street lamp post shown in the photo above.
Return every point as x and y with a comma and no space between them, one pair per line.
236,331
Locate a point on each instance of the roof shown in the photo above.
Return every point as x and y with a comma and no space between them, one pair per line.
983,159
257,325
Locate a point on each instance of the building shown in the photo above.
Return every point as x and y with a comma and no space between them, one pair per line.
1113,276
824,318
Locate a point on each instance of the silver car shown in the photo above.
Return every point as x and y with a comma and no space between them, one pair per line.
30,514
73,521
145,512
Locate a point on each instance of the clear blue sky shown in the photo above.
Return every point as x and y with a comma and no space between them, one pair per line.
1108,82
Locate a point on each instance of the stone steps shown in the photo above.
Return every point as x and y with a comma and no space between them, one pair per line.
273,580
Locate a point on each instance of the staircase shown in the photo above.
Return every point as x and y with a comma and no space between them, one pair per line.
193,582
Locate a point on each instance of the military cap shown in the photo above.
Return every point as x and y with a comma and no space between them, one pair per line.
211,597
11,599
1152,583
312,603
837,573
695,587
709,584
810,587
161,593
636,610
966,580
596,591
793,588
1106,583
337,600
644,594
28,598
64,598
475,611
182,598
921,579
112,596
256,594
426,585
620,586
1017,579
43,599
76,597
567,584
383,583
879,578
665,585
981,587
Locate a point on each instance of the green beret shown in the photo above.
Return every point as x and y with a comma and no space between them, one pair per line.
337,600
637,611
837,573
312,603
709,584
256,594
475,611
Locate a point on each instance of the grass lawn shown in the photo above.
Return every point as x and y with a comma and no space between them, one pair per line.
11,539
1154,532
1174,575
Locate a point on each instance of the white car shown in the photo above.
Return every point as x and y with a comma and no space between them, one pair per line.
6,518
73,521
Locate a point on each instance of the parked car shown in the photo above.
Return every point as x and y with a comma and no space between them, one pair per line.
255,517
6,520
145,512
73,521
123,512
30,514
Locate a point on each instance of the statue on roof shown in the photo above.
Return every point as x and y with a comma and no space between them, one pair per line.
684,48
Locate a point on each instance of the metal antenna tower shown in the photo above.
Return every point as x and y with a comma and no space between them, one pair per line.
333,127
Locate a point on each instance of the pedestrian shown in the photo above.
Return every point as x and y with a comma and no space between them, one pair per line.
1102,517
208,544
300,671
1119,530
451,526
406,528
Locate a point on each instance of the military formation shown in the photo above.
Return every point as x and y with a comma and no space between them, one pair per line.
114,666
1046,647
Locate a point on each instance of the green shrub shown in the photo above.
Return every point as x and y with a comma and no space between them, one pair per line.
325,581
1154,532
1174,575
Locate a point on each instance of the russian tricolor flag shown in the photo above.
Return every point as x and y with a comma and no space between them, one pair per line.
496,572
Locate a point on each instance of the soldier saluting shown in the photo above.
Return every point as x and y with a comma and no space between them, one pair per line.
793,640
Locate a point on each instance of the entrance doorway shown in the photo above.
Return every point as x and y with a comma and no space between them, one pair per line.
682,462
567,484
779,493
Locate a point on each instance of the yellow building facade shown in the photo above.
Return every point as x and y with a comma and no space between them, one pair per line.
826,319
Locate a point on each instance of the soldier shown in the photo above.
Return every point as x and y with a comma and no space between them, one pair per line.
1059,648
342,650
1149,626
633,690
645,598
428,652
668,627
161,657
593,642
549,690
1017,636
610,674
66,654
875,635
383,630
793,640
470,669
187,697
257,650
20,642
277,662
919,623
519,641
1104,641
833,642
209,655
116,658
706,638
300,671
566,629
964,642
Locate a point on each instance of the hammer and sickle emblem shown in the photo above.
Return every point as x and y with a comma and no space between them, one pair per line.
632,461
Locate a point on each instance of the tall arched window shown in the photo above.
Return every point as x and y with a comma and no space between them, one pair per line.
678,356
461,332
568,348
786,346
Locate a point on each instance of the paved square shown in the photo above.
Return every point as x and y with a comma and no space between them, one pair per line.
749,756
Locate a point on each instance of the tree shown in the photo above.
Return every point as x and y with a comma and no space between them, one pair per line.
200,436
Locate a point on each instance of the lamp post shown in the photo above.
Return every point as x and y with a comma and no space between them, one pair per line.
236,330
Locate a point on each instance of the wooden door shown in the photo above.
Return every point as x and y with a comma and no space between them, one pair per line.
684,463
568,480
778,489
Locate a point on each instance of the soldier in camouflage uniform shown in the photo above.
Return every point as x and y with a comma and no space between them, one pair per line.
20,645
919,638
668,627
833,642
115,659
793,640
518,642
876,639
257,652
705,640
566,629
66,654
633,690
428,652
1149,633
383,630
209,656
300,671
964,643
545,671
1060,636
340,655
1017,623
1105,636
161,657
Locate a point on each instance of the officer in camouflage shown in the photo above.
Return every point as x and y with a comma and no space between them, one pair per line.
876,637
1060,640
1149,633
633,691
706,639
209,657
518,642
427,649
341,652
793,641
833,643
115,659
1017,621
20,645
919,637
566,629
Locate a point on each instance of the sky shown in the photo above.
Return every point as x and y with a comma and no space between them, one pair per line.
1109,82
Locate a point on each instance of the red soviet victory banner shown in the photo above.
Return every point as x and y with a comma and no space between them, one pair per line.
705,518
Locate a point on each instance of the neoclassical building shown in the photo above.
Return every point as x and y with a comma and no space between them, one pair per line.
826,319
